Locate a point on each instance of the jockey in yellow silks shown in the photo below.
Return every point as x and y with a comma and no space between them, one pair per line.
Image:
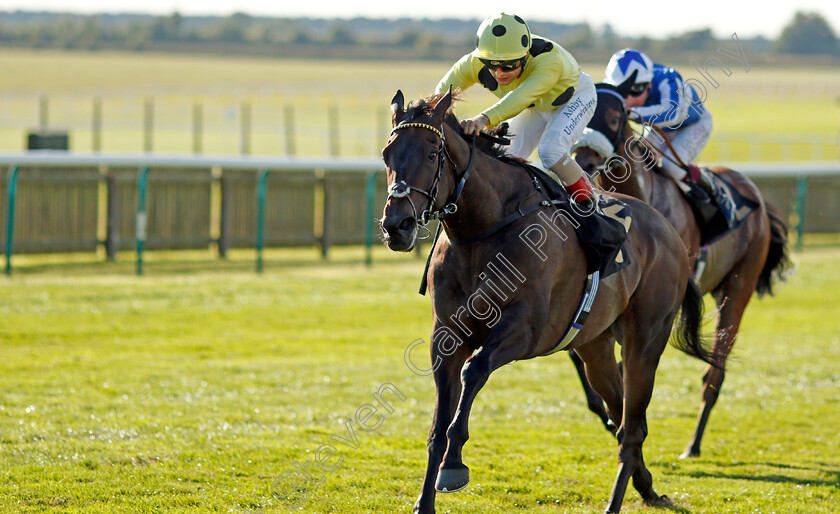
543,94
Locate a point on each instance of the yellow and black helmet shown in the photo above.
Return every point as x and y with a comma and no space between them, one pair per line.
502,37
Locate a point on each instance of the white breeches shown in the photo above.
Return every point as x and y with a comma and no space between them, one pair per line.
552,133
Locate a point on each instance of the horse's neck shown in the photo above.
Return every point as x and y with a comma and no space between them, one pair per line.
661,193
639,184
662,190
492,187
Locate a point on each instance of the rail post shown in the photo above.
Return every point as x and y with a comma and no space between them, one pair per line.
370,188
43,113
197,125
289,128
148,124
245,128
10,216
801,194
261,189
140,227
112,217
96,125
332,122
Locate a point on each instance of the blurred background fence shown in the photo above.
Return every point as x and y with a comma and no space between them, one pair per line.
181,152
57,202
333,124
54,202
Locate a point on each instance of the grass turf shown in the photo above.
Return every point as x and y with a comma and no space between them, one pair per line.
191,389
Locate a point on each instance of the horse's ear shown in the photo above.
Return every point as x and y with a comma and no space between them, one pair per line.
443,105
624,88
397,109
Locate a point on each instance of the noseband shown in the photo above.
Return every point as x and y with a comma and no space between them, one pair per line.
401,189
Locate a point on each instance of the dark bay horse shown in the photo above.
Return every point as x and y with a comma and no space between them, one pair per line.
505,281
741,263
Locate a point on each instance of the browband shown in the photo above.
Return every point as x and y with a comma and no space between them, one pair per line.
420,125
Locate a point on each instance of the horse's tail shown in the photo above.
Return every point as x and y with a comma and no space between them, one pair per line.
777,263
687,337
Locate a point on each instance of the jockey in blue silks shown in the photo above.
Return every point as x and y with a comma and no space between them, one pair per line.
659,98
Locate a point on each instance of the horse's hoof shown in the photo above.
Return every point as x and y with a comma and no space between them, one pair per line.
450,480
690,454
659,501
419,510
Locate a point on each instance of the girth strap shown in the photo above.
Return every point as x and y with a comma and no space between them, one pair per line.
590,291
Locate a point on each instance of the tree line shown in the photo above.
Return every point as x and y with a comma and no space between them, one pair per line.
808,33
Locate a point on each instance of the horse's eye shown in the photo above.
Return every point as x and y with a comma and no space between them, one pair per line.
433,155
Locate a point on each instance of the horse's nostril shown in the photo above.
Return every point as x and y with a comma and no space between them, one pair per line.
406,224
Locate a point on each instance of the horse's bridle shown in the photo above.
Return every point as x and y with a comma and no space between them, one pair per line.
619,135
401,189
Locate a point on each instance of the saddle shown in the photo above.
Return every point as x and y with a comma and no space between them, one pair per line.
719,213
602,237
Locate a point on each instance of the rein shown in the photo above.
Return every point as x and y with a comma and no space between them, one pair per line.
621,136
679,162
401,190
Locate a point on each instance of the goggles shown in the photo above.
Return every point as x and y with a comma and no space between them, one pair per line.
638,89
506,66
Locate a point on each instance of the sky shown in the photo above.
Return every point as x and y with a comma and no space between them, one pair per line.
655,18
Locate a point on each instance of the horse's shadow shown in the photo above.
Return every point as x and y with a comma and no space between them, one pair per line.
774,478
672,508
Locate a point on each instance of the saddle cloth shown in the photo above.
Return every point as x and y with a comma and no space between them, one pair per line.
601,236
721,214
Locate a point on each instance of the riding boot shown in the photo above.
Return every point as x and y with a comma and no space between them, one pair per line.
586,196
724,202
577,184
601,235
700,178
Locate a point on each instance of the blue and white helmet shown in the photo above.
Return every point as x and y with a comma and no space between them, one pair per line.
624,62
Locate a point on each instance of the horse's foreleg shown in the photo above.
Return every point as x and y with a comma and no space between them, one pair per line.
733,298
448,383
502,346
593,401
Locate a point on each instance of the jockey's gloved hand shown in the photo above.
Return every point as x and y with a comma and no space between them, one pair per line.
472,126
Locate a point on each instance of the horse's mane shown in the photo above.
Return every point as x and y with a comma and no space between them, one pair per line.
426,106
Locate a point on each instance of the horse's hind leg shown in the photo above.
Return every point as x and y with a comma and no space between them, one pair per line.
641,353
600,373
593,401
448,383
732,297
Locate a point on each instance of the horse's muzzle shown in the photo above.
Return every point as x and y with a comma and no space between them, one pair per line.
400,235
